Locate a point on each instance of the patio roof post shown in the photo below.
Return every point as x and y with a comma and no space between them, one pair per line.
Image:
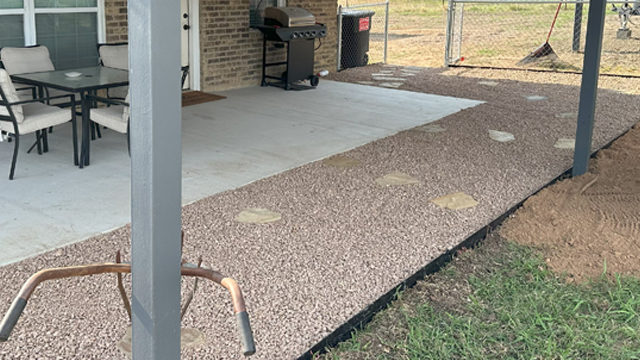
589,87
156,161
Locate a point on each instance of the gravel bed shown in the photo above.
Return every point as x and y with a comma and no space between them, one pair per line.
343,240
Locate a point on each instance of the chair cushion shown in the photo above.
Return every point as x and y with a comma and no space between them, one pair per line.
11,96
38,116
115,56
26,60
110,117
119,92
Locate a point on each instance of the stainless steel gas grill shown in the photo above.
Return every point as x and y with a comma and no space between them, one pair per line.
296,29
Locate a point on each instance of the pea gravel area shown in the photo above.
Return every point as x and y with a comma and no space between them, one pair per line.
343,240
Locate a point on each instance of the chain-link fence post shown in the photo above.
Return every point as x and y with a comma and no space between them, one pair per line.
386,32
577,27
449,31
339,62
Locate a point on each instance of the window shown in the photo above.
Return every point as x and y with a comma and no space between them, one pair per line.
69,28
256,10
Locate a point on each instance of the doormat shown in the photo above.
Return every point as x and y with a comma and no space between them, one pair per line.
198,97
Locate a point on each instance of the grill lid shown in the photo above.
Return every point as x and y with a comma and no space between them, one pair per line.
288,16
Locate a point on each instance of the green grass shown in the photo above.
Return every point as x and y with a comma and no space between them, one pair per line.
515,309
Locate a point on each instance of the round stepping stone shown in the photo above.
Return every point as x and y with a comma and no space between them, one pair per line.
341,161
430,128
535,98
501,136
567,115
258,216
488,83
189,338
455,201
396,179
565,144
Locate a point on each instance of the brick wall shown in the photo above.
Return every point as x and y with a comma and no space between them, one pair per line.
231,52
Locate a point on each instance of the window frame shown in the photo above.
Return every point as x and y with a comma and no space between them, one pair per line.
29,12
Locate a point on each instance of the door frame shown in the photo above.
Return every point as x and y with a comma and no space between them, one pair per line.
194,45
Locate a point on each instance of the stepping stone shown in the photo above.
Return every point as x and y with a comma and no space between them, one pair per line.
455,201
430,128
488,83
393,85
567,115
412,68
565,144
382,74
501,136
536,98
258,216
388,78
189,338
366,82
408,74
341,161
396,179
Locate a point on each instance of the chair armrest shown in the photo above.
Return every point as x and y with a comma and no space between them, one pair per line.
71,96
109,101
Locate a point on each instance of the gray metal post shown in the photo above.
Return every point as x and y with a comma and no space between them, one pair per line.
339,66
589,87
577,27
386,32
447,44
156,159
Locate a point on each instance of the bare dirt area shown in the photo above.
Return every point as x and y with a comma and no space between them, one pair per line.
588,225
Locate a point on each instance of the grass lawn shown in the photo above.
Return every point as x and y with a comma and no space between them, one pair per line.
500,301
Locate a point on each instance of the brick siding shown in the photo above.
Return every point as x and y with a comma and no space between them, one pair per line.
231,52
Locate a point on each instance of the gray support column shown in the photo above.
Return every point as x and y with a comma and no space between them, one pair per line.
156,160
589,87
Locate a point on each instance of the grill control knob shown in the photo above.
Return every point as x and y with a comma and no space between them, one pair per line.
295,35
308,34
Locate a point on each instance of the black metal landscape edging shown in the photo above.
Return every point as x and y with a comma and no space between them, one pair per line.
360,320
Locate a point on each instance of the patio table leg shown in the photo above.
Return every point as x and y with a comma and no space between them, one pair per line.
84,157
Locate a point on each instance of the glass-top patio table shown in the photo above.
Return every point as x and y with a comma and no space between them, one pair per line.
91,80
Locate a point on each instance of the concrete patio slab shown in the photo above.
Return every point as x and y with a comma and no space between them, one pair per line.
254,133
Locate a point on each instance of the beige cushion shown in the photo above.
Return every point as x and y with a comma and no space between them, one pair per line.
119,92
115,56
38,116
26,60
11,96
111,117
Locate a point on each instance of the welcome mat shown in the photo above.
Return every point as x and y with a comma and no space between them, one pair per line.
198,97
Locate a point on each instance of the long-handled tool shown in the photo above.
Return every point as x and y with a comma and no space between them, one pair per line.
11,318
544,51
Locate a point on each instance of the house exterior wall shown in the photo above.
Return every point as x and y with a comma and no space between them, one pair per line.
231,52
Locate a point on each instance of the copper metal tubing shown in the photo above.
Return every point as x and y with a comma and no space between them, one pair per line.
94,269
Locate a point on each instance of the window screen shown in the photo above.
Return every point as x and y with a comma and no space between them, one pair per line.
71,38
11,30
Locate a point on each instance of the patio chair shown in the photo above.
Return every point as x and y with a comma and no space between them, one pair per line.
30,59
115,116
116,56
19,117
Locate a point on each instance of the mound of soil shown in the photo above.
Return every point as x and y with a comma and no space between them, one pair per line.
589,225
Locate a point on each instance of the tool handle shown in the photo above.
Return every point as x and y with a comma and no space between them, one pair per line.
11,318
246,336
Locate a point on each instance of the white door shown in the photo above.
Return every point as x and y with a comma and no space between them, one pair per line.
185,24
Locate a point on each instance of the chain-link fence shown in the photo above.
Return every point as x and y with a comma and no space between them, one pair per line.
507,34
363,34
